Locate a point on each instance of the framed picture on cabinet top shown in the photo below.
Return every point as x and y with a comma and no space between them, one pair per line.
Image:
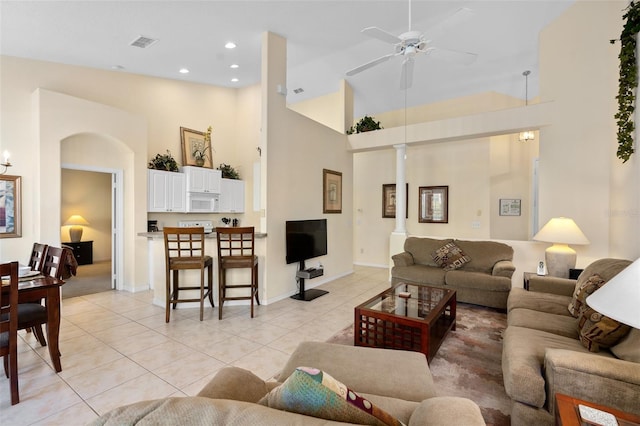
10,205
196,151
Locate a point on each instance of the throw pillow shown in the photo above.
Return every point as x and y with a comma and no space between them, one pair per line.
237,384
450,257
628,348
312,392
599,331
583,290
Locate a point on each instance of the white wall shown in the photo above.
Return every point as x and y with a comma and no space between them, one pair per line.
297,149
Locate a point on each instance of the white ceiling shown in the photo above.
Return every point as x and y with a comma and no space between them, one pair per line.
324,41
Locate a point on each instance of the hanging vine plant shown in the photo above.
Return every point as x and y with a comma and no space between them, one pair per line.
627,82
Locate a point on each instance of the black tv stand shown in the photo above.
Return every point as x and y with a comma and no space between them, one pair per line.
301,275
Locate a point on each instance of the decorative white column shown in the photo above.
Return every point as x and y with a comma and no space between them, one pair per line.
401,189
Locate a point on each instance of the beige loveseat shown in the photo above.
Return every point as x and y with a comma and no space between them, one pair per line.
484,280
398,382
542,354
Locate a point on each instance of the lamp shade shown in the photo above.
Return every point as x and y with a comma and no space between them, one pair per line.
619,298
76,219
561,230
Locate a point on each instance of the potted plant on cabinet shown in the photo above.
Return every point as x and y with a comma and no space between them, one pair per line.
200,152
163,162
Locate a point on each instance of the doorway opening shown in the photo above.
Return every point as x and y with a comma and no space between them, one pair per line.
95,194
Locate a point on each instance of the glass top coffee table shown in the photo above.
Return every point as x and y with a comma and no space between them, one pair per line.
408,317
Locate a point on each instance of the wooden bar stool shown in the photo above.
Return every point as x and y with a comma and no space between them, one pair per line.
236,250
184,249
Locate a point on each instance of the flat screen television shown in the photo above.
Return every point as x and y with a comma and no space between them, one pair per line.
306,239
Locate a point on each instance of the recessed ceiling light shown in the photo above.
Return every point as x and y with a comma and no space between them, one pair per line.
235,80
184,71
230,45
234,66
117,67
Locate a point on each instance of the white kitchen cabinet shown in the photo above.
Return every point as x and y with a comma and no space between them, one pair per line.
166,191
231,196
200,179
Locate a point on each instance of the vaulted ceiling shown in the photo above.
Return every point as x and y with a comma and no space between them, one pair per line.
324,41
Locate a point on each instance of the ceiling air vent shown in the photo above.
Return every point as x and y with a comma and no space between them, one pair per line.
143,42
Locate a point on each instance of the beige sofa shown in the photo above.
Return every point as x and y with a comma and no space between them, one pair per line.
484,280
542,354
398,382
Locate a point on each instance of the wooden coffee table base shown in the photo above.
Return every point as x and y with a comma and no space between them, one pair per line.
380,324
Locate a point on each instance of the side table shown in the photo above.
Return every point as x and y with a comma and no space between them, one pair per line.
82,251
567,412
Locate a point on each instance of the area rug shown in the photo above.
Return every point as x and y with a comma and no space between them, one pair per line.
468,364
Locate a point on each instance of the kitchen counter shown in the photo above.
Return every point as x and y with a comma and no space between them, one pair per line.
160,235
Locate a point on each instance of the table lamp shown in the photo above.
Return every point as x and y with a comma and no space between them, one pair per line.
619,298
561,231
75,232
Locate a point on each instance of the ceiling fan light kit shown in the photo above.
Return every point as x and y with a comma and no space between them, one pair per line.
409,45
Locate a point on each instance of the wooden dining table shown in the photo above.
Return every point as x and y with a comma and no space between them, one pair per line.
34,289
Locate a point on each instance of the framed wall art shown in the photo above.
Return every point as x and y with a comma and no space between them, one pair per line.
389,200
196,150
331,191
10,204
510,207
433,204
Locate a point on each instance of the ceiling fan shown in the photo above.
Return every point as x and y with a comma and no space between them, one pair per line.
413,43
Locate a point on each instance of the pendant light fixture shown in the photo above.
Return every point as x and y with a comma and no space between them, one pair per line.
527,135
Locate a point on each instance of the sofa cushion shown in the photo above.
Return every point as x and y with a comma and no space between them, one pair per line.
599,331
450,257
477,280
484,254
237,384
421,249
562,325
359,369
584,288
315,393
195,410
536,301
523,356
628,348
420,274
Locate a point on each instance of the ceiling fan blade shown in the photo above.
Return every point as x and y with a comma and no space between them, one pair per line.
452,56
368,65
458,17
382,35
406,78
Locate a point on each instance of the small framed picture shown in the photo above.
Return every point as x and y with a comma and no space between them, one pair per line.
510,207
331,191
389,200
10,204
433,204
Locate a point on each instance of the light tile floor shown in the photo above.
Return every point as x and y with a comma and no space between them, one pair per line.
117,348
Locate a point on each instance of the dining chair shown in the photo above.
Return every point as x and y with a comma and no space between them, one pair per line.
9,326
33,315
37,256
184,250
236,250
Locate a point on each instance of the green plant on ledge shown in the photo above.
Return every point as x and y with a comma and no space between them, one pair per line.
228,172
366,124
163,162
628,82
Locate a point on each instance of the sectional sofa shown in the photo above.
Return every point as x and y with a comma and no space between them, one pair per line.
544,354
